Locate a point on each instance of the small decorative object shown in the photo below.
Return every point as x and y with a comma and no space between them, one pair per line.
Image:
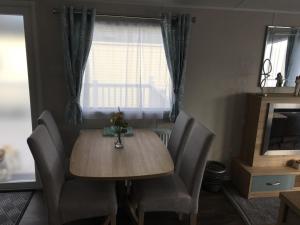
266,73
279,80
9,162
120,127
296,164
297,87
3,166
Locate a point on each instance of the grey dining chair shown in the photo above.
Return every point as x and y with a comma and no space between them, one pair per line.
178,137
72,199
48,121
180,191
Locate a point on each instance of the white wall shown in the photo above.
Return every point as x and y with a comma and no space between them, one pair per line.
223,64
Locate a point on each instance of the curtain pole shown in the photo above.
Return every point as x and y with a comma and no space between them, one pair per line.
57,11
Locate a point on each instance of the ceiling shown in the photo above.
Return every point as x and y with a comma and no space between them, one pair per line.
289,6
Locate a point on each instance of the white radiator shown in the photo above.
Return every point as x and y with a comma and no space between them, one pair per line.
164,134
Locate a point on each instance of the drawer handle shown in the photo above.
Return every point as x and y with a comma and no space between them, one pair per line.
273,184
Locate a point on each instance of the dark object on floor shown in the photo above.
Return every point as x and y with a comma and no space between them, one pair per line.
256,211
214,176
13,206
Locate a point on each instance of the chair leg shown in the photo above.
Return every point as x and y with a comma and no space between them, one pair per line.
107,221
132,208
193,219
113,220
180,216
141,217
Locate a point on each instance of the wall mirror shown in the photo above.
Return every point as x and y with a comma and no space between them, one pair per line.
281,58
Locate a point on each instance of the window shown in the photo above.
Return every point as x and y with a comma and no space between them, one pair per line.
127,68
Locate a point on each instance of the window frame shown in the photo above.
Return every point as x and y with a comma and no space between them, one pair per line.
105,113
27,10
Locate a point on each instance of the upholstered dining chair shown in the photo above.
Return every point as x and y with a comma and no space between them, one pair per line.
72,199
180,191
178,137
48,121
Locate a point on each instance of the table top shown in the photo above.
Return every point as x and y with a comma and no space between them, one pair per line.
143,156
292,199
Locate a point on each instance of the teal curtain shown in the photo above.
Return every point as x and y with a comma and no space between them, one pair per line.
175,32
78,26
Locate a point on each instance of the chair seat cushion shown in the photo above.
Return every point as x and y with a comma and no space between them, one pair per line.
161,194
86,199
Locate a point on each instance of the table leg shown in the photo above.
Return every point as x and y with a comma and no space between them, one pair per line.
132,210
121,194
282,213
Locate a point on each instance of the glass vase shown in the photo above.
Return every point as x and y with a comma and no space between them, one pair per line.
118,143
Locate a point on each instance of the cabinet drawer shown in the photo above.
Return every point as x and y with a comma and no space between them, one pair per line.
272,183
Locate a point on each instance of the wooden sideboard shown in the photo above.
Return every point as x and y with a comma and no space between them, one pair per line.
255,174
255,182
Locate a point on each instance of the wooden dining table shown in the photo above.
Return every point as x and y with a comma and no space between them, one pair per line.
143,156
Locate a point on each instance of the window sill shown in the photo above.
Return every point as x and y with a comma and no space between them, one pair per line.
129,114
96,120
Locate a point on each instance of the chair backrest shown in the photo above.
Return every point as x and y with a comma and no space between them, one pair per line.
47,119
194,159
50,169
178,137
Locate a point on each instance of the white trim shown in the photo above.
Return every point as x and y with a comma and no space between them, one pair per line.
171,4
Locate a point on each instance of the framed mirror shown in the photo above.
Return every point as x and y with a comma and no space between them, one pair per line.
281,58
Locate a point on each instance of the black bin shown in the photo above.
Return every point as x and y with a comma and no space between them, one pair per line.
213,176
